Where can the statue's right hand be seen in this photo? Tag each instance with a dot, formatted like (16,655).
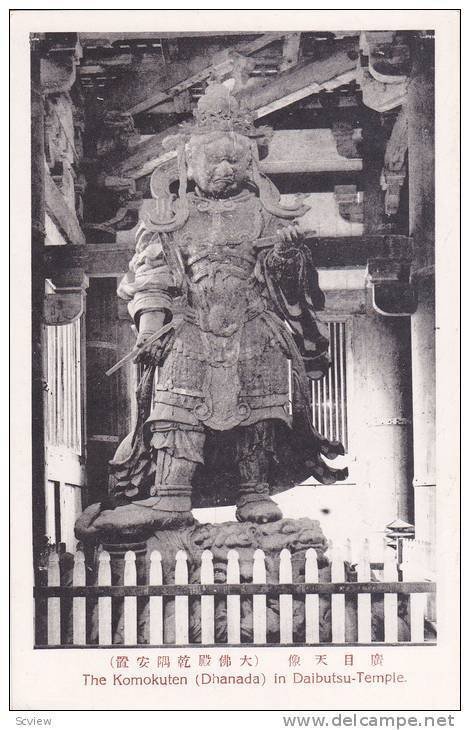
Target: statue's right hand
(147,353)
(143,337)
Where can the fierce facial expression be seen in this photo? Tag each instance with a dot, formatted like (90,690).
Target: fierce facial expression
(219,163)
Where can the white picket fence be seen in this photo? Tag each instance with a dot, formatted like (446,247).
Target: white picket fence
(388,580)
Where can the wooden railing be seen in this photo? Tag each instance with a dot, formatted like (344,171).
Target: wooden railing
(87,615)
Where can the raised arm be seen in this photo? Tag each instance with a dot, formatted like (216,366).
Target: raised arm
(147,286)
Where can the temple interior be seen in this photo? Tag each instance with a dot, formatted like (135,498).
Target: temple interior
(353,121)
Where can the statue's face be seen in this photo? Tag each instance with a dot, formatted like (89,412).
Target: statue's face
(219,163)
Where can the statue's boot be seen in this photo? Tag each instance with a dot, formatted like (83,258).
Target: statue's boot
(171,493)
(167,507)
(254,455)
(255,505)
(138,520)
(170,496)
(171,507)
(176,453)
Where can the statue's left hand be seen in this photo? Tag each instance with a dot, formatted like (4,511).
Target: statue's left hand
(288,237)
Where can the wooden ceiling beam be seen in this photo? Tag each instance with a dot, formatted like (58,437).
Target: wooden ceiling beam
(224,65)
(342,252)
(105,40)
(285,89)
(301,77)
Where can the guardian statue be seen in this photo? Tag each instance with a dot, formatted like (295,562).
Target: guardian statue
(224,401)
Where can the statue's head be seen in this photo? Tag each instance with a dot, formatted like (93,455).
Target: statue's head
(220,144)
(219,162)
(220,151)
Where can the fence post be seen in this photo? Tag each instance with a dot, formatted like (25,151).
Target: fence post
(181,602)
(428,574)
(259,601)
(312,600)
(130,602)
(413,569)
(156,602)
(207,602)
(53,604)
(338,633)
(390,574)
(117,552)
(364,605)
(233,602)
(285,601)
(79,604)
(104,602)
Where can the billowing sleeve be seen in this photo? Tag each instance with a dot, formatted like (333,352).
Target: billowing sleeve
(148,283)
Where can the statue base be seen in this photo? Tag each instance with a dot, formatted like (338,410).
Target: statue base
(295,535)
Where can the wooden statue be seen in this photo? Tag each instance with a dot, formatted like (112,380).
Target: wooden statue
(226,267)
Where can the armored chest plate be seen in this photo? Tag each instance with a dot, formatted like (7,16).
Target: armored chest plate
(219,256)
(221,228)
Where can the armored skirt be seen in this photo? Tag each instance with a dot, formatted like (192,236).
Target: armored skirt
(209,381)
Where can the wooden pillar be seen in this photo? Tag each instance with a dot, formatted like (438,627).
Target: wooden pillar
(373,155)
(109,338)
(420,111)
(38,235)
(382,375)
(424,409)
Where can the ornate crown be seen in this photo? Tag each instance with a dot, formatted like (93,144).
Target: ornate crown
(218,110)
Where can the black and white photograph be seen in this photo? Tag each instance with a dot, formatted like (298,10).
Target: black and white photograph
(233,352)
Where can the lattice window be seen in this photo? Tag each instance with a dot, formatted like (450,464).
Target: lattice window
(64,411)
(329,395)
